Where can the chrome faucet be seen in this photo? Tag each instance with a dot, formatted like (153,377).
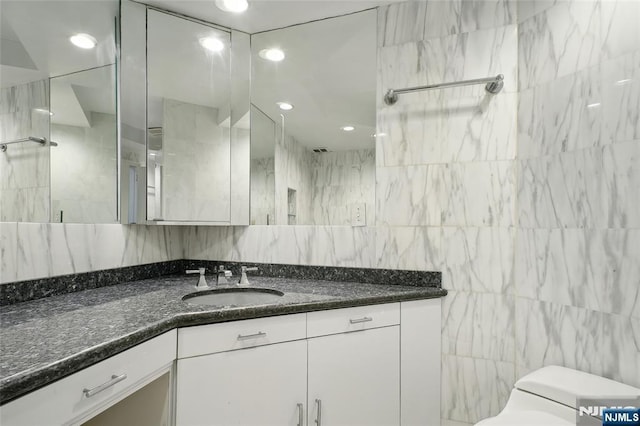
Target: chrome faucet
(202,282)
(222,275)
(243,277)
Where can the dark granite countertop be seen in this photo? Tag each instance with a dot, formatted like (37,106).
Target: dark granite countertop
(47,339)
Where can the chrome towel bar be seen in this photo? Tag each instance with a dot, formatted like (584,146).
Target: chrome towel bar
(41,141)
(493,86)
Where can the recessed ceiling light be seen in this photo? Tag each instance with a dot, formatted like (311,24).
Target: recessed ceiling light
(348,128)
(273,54)
(594,105)
(83,41)
(235,6)
(212,44)
(285,106)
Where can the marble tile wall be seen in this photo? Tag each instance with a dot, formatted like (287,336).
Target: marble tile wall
(578,238)
(24,167)
(299,245)
(446,184)
(39,250)
(83,171)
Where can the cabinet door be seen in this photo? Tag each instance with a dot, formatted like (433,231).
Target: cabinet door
(355,378)
(256,386)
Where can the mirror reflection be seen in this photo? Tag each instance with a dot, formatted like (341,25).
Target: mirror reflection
(188,120)
(41,40)
(83,154)
(263,184)
(315,84)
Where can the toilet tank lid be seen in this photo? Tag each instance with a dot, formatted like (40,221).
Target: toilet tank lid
(563,385)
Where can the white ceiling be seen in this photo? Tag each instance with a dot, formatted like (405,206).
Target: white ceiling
(264,15)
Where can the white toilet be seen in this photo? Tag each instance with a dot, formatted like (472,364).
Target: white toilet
(547,397)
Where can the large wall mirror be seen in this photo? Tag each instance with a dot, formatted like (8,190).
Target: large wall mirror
(58,111)
(313,123)
(192,148)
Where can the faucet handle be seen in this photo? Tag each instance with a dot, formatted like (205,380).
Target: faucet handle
(243,278)
(202,282)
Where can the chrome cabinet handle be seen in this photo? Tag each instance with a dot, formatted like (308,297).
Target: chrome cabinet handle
(319,412)
(300,415)
(114,379)
(251,336)
(359,320)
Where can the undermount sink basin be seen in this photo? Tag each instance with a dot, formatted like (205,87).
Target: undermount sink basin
(233,296)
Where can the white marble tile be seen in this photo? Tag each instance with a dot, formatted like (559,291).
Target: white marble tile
(31,250)
(445,129)
(551,334)
(622,346)
(477,259)
(528,8)
(586,188)
(480,194)
(621,98)
(620,30)
(563,39)
(472,55)
(551,266)
(300,245)
(481,14)
(443,18)
(478,325)
(401,23)
(410,196)
(562,115)
(587,268)
(474,389)
(408,134)
(407,247)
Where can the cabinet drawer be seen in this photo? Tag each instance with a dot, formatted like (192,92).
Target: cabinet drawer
(73,398)
(322,323)
(208,339)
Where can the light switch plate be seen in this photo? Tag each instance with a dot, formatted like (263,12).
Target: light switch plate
(359,214)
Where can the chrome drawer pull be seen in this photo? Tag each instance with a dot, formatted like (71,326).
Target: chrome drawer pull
(319,413)
(359,320)
(114,379)
(300,415)
(251,336)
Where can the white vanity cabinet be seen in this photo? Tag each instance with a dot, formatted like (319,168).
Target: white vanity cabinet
(354,378)
(84,394)
(335,367)
(263,383)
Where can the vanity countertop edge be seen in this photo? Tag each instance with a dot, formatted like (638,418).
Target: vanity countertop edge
(55,337)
